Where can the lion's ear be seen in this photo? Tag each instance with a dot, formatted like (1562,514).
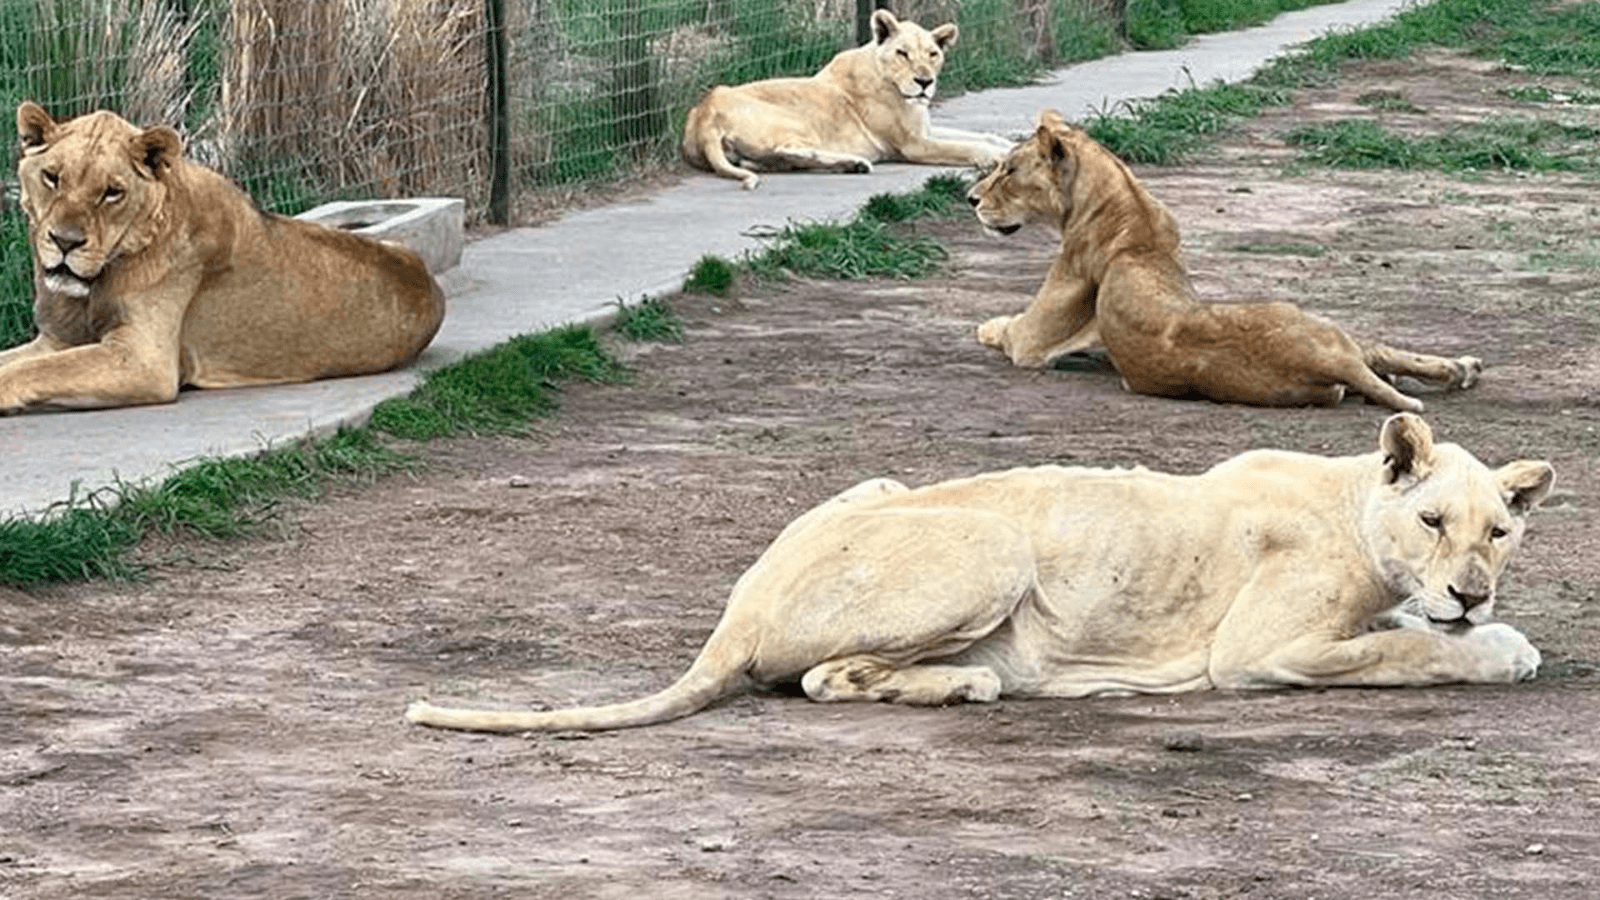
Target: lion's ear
(1061,155)
(34,126)
(884,26)
(945,35)
(156,148)
(1525,483)
(1407,445)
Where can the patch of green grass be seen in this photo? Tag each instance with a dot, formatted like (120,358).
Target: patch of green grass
(861,248)
(1162,130)
(651,319)
(711,275)
(866,246)
(1545,40)
(495,391)
(942,195)
(498,390)
(1390,100)
(90,536)
(1155,24)
(222,497)
(1538,93)
(85,540)
(1283,248)
(1583,260)
(1499,145)
(16,278)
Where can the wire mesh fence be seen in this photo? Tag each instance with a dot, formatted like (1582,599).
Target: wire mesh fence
(304,101)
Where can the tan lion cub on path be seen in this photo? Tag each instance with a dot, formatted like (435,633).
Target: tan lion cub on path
(1118,281)
(1271,569)
(866,105)
(152,272)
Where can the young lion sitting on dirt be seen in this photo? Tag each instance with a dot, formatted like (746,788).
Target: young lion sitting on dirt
(866,105)
(1271,569)
(152,272)
(1118,282)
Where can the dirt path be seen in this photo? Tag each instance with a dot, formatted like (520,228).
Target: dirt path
(232,728)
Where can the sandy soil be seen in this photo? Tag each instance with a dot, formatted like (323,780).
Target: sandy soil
(231,726)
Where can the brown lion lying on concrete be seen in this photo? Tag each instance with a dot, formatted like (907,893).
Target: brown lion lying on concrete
(152,272)
(1118,282)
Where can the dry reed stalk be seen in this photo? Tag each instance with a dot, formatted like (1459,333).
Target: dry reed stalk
(382,95)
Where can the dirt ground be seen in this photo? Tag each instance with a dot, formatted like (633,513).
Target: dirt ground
(230,727)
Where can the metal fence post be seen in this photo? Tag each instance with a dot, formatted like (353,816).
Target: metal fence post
(499,212)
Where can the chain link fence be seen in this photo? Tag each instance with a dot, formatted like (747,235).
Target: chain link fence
(505,103)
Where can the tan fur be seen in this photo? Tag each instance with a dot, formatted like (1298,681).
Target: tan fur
(1118,281)
(1271,569)
(152,272)
(866,105)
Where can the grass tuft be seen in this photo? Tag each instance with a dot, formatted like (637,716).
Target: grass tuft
(711,275)
(496,391)
(942,196)
(1496,145)
(651,319)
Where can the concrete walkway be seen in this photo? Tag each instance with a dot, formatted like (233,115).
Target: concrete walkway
(576,268)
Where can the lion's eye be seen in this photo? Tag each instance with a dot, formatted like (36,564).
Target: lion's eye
(1433,520)
(1497,532)
(903,52)
(51,180)
(112,195)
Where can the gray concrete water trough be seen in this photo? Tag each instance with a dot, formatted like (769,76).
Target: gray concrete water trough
(432,226)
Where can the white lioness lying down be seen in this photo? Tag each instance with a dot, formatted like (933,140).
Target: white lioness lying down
(1271,569)
(866,105)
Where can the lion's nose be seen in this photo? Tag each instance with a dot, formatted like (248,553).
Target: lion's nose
(972,198)
(67,242)
(923,82)
(1468,600)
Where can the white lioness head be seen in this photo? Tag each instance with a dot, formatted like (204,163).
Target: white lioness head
(91,190)
(910,56)
(1443,525)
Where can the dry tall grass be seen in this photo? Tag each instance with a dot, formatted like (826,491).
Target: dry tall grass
(379,96)
(123,54)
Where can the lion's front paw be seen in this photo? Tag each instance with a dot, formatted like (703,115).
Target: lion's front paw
(1471,370)
(993,332)
(1507,655)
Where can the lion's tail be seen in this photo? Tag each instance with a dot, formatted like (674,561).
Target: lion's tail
(703,148)
(712,676)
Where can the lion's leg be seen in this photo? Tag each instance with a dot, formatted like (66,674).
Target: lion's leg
(934,151)
(869,589)
(1461,372)
(93,376)
(39,346)
(1060,320)
(794,157)
(865,678)
(1408,655)
(942,133)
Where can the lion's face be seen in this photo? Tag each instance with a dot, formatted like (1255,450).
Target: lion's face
(92,192)
(1031,183)
(910,56)
(1444,526)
